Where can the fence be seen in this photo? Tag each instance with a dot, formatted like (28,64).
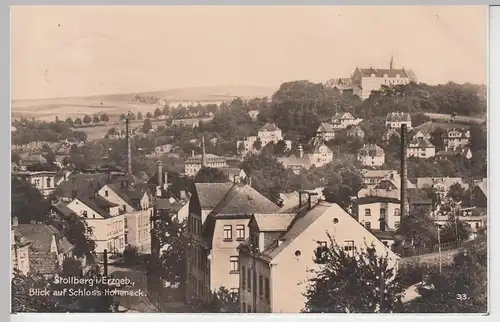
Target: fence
(419,251)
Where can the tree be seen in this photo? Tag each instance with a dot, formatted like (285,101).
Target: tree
(224,301)
(418,119)
(437,138)
(166,110)
(96,119)
(21,299)
(69,121)
(361,282)
(112,131)
(454,230)
(241,148)
(49,154)
(460,288)
(15,157)
(169,233)
(37,209)
(81,136)
(104,117)
(123,117)
(139,116)
(257,145)
(130,254)
(87,119)
(149,115)
(147,126)
(78,233)
(456,192)
(78,121)
(157,113)
(131,116)
(418,230)
(210,175)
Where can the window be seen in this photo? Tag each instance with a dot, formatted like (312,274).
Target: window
(368,225)
(234,264)
(249,280)
(240,232)
(321,252)
(349,247)
(266,289)
(368,212)
(477,225)
(396,212)
(228,232)
(396,224)
(382,213)
(243,277)
(84,213)
(106,193)
(48,182)
(124,208)
(37,182)
(261,286)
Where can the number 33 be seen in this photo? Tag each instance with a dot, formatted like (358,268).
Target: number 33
(462,297)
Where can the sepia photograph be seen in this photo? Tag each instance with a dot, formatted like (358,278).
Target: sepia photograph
(249,159)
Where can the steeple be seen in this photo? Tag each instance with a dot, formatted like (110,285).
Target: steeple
(203,156)
(129,149)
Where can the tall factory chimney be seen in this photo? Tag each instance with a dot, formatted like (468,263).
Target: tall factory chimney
(203,155)
(129,149)
(159,171)
(405,209)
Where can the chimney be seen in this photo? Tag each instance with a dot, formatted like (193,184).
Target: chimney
(312,200)
(300,151)
(203,156)
(159,172)
(192,153)
(129,149)
(110,176)
(165,180)
(404,174)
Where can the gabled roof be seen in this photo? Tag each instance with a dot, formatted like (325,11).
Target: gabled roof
(377,173)
(375,199)
(121,192)
(380,72)
(40,237)
(294,161)
(63,209)
(325,127)
(243,199)
(355,130)
(93,204)
(273,222)
(395,179)
(430,126)
(210,194)
(420,143)
(483,186)
(371,150)
(84,184)
(398,117)
(319,145)
(271,127)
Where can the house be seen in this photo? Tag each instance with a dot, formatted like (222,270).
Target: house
(235,175)
(386,138)
(343,85)
(212,255)
(456,138)
(420,147)
(266,134)
(451,154)
(278,258)
(367,80)
(378,213)
(372,177)
(389,186)
(297,162)
(106,221)
(325,131)
(371,155)
(321,155)
(479,194)
(194,163)
(136,205)
(343,120)
(44,181)
(473,217)
(394,120)
(79,184)
(355,131)
(441,184)
(32,159)
(38,248)
(253,114)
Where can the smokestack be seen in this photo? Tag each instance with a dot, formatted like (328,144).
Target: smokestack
(404,174)
(203,156)
(129,149)
(159,171)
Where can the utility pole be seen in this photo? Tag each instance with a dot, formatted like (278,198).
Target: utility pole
(382,290)
(439,248)
(105,263)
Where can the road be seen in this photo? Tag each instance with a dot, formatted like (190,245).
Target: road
(138,278)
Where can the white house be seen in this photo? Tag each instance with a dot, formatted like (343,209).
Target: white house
(325,131)
(371,155)
(266,134)
(394,120)
(367,80)
(343,120)
(420,147)
(277,259)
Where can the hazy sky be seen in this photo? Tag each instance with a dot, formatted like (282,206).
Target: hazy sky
(77,51)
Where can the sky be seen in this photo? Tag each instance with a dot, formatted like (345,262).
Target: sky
(81,51)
